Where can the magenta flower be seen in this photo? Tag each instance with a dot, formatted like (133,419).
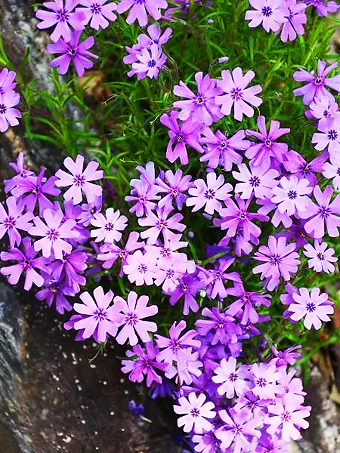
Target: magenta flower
(323,108)
(207,194)
(13,221)
(267,152)
(255,180)
(140,10)
(279,260)
(235,93)
(175,186)
(143,195)
(187,287)
(109,227)
(317,84)
(331,170)
(133,312)
(171,270)
(160,223)
(238,428)
(8,114)
(149,62)
(79,180)
(201,106)
(232,380)
(244,306)
(140,268)
(297,165)
(295,18)
(269,13)
(55,234)
(291,195)
(265,377)
(54,292)
(98,13)
(221,150)
(181,135)
(321,257)
(288,415)
(324,212)
(313,307)
(219,325)
(329,136)
(194,413)
(27,263)
(217,277)
(323,7)
(62,17)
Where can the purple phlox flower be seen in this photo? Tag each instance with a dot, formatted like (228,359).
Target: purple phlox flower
(322,212)
(291,195)
(234,218)
(194,412)
(98,13)
(36,189)
(7,82)
(313,307)
(14,220)
(232,379)
(71,268)
(156,36)
(206,443)
(170,271)
(171,244)
(89,210)
(255,180)
(223,328)
(69,325)
(296,233)
(321,258)
(140,10)
(323,7)
(160,223)
(109,227)
(252,404)
(8,114)
(318,83)
(72,52)
(264,378)
(207,194)
(221,150)
(79,180)
(62,16)
(287,415)
(297,165)
(244,306)
(54,232)
(271,444)
(269,151)
(278,217)
(288,383)
(175,348)
(140,268)
(175,186)
(269,13)
(201,106)
(148,62)
(54,292)
(279,260)
(323,109)
(143,195)
(329,135)
(187,369)
(235,93)
(216,278)
(187,287)
(110,253)
(238,429)
(295,18)
(331,170)
(99,318)
(287,356)
(21,171)
(181,135)
(133,312)
(74,212)
(142,362)
(147,174)
(27,263)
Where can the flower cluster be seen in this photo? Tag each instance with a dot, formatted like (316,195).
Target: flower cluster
(9,98)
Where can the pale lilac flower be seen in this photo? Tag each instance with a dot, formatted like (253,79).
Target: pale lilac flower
(62,16)
(269,13)
(235,93)
(291,195)
(313,307)
(216,278)
(324,212)
(8,114)
(195,411)
(317,84)
(14,220)
(255,180)
(98,13)
(205,443)
(55,234)
(321,258)
(323,7)
(72,52)
(323,108)
(220,325)
(267,152)
(143,195)
(99,319)
(140,10)
(331,170)
(155,36)
(297,165)
(187,287)
(295,18)
(244,307)
(175,186)
(264,378)
(232,379)
(148,62)
(187,370)
(171,270)
(279,260)
(201,106)
(7,81)
(207,194)
(140,268)
(109,227)
(221,150)
(134,311)
(160,223)
(329,136)
(237,429)
(80,180)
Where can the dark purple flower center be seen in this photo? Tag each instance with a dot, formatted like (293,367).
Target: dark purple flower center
(319,80)
(142,268)
(109,226)
(320,256)
(223,145)
(275,260)
(261,382)
(310,307)
(123,255)
(185,287)
(243,215)
(232,377)
(267,11)
(9,222)
(209,194)
(268,143)
(52,235)
(100,314)
(292,194)
(332,134)
(179,138)
(305,169)
(170,273)
(63,15)
(236,94)
(72,52)
(174,192)
(161,224)
(146,361)
(286,416)
(96,8)
(199,100)
(338,171)
(326,113)
(142,200)
(195,412)
(79,180)
(2,109)
(2,91)
(254,181)
(165,252)
(131,318)
(175,345)
(324,211)
(152,63)
(26,263)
